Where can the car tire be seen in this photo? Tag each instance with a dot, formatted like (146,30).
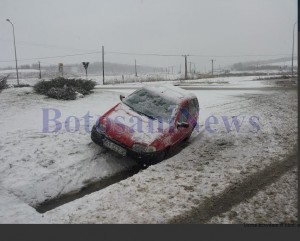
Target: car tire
(94,136)
(155,160)
(161,156)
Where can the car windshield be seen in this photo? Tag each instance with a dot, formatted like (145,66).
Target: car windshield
(152,105)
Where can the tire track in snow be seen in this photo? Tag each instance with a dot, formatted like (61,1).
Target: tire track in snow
(236,194)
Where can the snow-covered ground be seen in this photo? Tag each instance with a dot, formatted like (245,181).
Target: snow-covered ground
(30,76)
(12,71)
(206,168)
(37,166)
(261,207)
(267,72)
(286,63)
(218,82)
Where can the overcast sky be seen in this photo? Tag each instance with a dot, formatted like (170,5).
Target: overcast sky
(215,29)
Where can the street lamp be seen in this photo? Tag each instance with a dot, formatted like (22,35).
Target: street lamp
(15,50)
(293,49)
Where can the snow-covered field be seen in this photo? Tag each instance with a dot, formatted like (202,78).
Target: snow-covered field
(246,82)
(30,76)
(12,71)
(286,63)
(38,166)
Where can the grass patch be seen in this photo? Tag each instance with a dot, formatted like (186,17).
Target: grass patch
(275,77)
(21,85)
(3,82)
(64,89)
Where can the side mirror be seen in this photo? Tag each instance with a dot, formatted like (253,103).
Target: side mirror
(122,97)
(183,124)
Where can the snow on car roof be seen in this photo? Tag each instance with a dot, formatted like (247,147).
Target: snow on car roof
(169,91)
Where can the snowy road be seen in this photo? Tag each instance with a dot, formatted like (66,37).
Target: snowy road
(37,166)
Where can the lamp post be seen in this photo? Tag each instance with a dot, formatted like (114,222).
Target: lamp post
(15,49)
(293,49)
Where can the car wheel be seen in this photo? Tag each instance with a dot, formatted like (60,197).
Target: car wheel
(94,136)
(161,156)
(156,159)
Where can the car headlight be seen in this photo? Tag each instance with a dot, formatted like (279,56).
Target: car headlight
(101,126)
(142,148)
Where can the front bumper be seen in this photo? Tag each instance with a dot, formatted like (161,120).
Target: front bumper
(98,138)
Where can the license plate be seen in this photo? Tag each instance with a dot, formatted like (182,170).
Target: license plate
(114,147)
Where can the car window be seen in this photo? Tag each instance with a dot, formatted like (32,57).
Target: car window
(194,107)
(183,114)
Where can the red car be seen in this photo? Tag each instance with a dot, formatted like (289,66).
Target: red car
(148,123)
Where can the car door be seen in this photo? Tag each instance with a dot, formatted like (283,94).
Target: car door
(181,133)
(194,111)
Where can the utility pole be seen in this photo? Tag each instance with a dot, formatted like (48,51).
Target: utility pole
(185,66)
(190,67)
(61,69)
(15,50)
(135,68)
(40,75)
(103,63)
(194,68)
(212,66)
(293,50)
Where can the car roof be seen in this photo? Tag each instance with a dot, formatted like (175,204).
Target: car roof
(171,92)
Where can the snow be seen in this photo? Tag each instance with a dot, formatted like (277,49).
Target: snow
(216,83)
(280,197)
(286,63)
(204,169)
(14,210)
(169,91)
(19,70)
(37,166)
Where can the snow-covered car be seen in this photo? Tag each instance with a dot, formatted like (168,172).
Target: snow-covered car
(148,123)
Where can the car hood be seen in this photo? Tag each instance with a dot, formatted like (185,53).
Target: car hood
(130,127)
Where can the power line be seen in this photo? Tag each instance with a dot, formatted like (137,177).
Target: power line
(53,57)
(242,55)
(46,45)
(134,53)
(146,54)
